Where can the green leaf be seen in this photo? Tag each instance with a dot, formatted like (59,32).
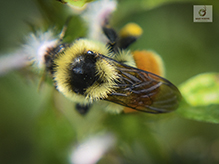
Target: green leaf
(77,3)
(202,89)
(201,98)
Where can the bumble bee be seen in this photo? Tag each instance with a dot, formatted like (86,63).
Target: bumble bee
(88,71)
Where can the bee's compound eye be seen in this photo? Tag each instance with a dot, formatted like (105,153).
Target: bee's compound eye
(89,52)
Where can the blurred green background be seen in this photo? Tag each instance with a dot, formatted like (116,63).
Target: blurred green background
(42,127)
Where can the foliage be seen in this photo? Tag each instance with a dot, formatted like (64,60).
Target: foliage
(43,127)
(201,95)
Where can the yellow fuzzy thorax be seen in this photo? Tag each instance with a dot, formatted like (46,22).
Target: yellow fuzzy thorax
(105,70)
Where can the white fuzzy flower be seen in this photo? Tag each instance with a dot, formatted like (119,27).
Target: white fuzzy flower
(95,15)
(38,45)
(9,62)
(92,150)
(32,52)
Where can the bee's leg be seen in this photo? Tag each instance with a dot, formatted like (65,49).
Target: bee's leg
(116,42)
(125,42)
(112,36)
(128,35)
(82,109)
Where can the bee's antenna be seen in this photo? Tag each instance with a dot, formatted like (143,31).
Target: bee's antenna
(64,29)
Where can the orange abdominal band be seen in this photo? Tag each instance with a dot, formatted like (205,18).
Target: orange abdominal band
(147,61)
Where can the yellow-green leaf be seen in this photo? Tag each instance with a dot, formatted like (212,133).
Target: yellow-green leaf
(201,90)
(201,98)
(77,3)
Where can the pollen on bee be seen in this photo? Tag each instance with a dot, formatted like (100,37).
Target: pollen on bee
(149,61)
(131,29)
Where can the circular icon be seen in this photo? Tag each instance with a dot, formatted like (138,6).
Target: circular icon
(202,12)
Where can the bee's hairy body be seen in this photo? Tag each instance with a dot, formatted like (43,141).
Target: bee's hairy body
(87,71)
(81,74)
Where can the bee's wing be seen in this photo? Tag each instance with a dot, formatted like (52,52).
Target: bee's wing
(144,91)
